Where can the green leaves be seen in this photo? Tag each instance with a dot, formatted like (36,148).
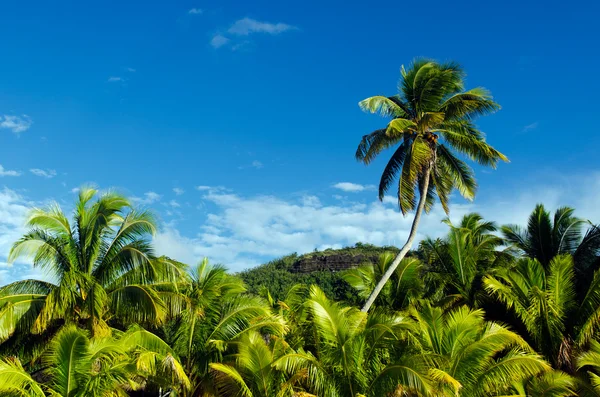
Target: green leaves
(431,117)
(467,354)
(102,260)
(15,381)
(65,359)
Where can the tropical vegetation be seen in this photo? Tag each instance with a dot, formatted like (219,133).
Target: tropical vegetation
(485,310)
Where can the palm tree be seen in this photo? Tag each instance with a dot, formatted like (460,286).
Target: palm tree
(215,314)
(547,236)
(470,357)
(352,353)
(404,286)
(558,322)
(255,371)
(101,268)
(456,264)
(432,116)
(76,366)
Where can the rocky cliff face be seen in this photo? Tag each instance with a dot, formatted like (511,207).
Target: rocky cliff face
(331,262)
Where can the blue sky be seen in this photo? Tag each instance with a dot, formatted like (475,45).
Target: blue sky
(256,104)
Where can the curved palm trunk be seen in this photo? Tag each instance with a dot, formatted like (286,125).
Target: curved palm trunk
(411,237)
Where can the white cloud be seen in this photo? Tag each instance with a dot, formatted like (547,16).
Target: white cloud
(178,191)
(114,79)
(195,11)
(246,26)
(219,41)
(174,204)
(353,187)
(246,231)
(242,231)
(131,70)
(257,164)
(4,172)
(16,124)
(531,127)
(13,212)
(206,188)
(43,173)
(75,190)
(149,198)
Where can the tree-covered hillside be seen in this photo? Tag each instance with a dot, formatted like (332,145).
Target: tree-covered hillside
(322,268)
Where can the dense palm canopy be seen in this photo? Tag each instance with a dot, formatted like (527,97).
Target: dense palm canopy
(428,336)
(215,315)
(353,353)
(431,127)
(468,356)
(545,300)
(76,366)
(456,264)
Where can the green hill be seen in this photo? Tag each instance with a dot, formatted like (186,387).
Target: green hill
(320,267)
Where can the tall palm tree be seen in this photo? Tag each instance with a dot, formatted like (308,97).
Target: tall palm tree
(101,267)
(558,323)
(76,366)
(432,118)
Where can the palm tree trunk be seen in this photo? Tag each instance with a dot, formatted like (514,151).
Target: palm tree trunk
(411,237)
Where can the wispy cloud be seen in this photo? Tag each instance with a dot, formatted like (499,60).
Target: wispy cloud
(257,164)
(16,124)
(219,41)
(43,173)
(114,79)
(149,198)
(174,204)
(131,70)
(531,127)
(195,11)
(178,191)
(247,26)
(353,187)
(4,172)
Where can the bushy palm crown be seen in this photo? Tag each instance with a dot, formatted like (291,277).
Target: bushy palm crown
(544,298)
(76,366)
(547,236)
(456,263)
(432,118)
(351,353)
(101,266)
(467,356)
(215,314)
